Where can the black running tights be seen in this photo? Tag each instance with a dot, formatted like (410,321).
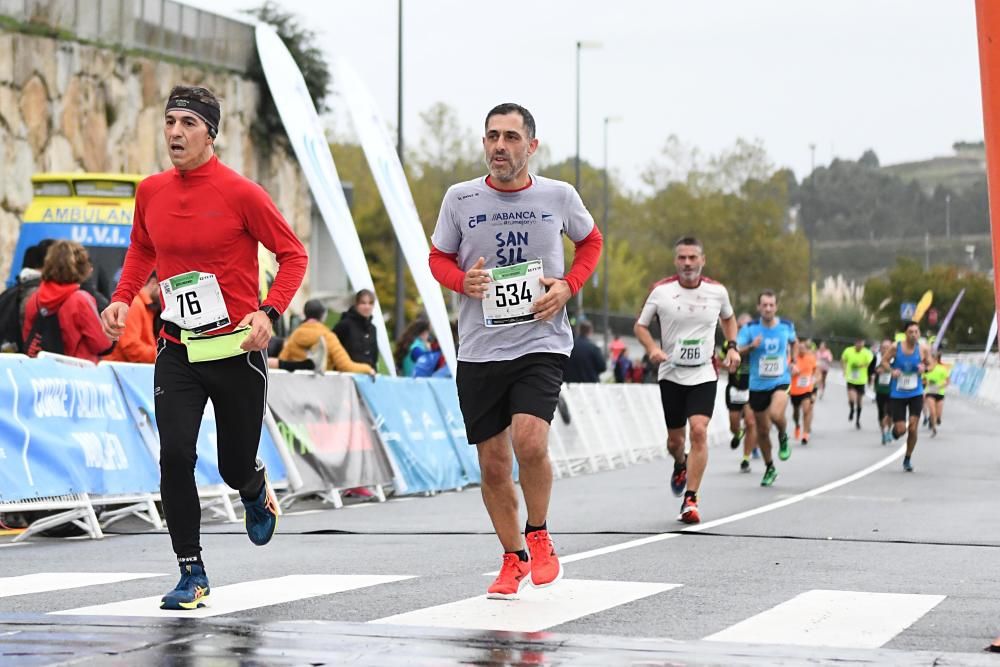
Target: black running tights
(238,389)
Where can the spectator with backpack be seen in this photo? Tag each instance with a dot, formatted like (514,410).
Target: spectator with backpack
(60,317)
(14,299)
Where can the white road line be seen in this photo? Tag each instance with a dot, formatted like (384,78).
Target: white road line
(537,609)
(43,582)
(770,507)
(242,596)
(844,619)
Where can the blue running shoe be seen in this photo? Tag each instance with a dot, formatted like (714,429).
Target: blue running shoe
(678,480)
(191,591)
(907,466)
(261,515)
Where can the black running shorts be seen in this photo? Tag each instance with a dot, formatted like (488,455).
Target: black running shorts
(860,388)
(899,406)
(797,400)
(760,401)
(882,401)
(936,397)
(491,392)
(680,401)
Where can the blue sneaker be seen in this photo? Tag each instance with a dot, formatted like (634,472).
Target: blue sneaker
(261,515)
(678,480)
(907,466)
(191,592)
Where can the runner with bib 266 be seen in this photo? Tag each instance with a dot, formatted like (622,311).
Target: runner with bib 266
(688,306)
(498,243)
(770,343)
(198,225)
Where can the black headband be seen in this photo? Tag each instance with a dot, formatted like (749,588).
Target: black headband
(209,113)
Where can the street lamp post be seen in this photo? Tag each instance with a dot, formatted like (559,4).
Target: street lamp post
(947,216)
(580,45)
(607,236)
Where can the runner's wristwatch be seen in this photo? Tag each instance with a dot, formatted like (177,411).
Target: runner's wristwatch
(731,345)
(271,312)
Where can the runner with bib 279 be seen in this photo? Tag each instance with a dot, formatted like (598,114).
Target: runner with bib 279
(688,306)
(498,243)
(198,226)
(770,342)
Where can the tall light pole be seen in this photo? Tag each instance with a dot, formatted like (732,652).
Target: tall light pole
(580,45)
(400,278)
(947,216)
(607,236)
(812,158)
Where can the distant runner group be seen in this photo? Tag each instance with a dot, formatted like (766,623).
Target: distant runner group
(768,366)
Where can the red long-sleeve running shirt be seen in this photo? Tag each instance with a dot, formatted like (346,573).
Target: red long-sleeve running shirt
(210,219)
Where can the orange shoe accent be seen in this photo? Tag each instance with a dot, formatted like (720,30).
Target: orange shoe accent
(513,575)
(798,433)
(689,511)
(545,566)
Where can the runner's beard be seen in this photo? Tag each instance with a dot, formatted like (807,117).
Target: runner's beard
(506,171)
(690,275)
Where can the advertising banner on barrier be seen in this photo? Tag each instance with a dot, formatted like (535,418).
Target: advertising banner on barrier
(64,430)
(328,431)
(447,399)
(411,427)
(136,382)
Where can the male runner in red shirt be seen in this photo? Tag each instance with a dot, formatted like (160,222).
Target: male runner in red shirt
(198,226)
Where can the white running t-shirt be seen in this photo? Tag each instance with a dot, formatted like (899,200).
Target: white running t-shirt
(688,317)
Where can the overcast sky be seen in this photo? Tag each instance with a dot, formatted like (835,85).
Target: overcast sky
(898,76)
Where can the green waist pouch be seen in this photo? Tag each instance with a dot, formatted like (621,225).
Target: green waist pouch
(213,348)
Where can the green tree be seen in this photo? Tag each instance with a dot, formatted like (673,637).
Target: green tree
(844,323)
(301,43)
(907,282)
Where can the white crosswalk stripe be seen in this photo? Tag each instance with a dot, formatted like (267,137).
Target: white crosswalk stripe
(243,596)
(44,582)
(845,619)
(819,618)
(537,609)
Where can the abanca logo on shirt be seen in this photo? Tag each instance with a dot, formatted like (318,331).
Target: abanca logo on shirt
(525,217)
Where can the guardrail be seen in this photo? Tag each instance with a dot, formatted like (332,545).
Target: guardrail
(162,26)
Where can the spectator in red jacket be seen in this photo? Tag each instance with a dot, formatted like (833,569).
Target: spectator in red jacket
(66,266)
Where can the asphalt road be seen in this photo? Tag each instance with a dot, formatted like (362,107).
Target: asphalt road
(846,552)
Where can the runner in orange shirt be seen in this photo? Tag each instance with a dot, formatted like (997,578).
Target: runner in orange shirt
(802,391)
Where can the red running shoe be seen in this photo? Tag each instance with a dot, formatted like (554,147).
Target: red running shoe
(513,575)
(545,566)
(689,511)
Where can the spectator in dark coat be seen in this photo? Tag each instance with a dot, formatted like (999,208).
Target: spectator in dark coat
(356,331)
(586,362)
